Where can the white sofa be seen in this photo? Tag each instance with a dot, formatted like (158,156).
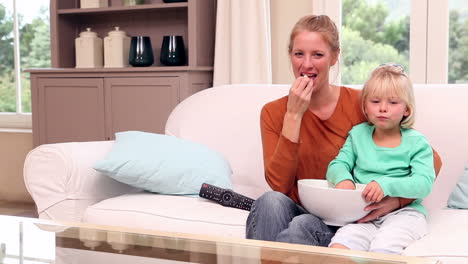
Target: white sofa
(64,186)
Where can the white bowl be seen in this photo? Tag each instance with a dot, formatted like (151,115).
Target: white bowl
(335,207)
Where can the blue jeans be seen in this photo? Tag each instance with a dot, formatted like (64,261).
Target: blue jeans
(276,217)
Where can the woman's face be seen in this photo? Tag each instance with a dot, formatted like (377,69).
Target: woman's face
(311,55)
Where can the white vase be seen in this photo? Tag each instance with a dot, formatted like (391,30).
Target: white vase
(93,3)
(88,50)
(116,48)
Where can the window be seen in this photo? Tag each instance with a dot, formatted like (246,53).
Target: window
(373,32)
(428,37)
(24,43)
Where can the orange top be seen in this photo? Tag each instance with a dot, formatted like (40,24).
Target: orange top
(287,162)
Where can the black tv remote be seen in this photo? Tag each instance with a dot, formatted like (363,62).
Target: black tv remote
(225,197)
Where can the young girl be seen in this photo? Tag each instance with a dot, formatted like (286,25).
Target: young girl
(391,158)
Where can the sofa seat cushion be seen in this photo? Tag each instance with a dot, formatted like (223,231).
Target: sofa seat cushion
(169,213)
(446,238)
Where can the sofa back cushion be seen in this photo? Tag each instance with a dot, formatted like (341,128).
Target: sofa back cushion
(442,115)
(227,119)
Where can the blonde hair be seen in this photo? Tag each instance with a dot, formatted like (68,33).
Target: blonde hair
(321,24)
(390,80)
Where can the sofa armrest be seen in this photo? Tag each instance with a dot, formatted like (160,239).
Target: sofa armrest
(62,182)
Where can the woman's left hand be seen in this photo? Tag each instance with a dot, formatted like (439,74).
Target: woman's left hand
(387,205)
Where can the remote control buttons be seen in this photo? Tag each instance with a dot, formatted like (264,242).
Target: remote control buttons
(226,197)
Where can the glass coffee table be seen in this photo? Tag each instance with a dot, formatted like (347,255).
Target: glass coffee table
(29,240)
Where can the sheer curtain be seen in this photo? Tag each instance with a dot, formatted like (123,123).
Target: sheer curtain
(243,42)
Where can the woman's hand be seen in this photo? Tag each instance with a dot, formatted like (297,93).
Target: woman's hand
(298,103)
(373,193)
(346,185)
(299,96)
(387,205)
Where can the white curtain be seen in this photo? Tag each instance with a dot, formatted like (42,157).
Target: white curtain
(243,42)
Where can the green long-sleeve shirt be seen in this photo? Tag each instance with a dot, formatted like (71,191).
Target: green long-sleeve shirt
(404,171)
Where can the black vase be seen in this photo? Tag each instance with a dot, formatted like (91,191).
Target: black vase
(141,52)
(174,1)
(172,51)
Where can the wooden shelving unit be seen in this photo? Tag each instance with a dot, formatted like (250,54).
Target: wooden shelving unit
(71,104)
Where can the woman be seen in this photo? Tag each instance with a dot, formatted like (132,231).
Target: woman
(302,133)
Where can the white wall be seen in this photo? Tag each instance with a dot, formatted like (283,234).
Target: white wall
(284,14)
(13,149)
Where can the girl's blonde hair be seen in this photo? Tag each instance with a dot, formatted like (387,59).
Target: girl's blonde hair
(387,81)
(321,24)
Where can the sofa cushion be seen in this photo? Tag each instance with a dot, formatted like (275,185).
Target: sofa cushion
(445,134)
(164,164)
(446,236)
(458,199)
(169,213)
(227,119)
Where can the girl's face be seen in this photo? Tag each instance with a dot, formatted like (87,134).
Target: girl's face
(311,55)
(385,113)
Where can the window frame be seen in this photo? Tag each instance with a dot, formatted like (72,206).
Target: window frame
(429,48)
(18,119)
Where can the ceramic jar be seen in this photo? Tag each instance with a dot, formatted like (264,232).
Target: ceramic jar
(132,2)
(116,48)
(93,3)
(88,50)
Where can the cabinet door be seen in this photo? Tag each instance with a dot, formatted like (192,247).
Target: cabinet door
(70,109)
(139,103)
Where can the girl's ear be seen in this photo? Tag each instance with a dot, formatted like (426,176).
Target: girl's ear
(407,112)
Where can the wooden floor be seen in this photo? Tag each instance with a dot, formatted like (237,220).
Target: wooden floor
(18,209)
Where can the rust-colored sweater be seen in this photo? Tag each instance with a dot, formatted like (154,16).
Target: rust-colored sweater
(287,162)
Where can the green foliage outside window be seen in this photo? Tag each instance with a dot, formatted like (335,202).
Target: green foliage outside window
(34,53)
(370,38)
(458,46)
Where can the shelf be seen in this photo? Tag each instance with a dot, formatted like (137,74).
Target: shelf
(127,69)
(146,7)
(194,20)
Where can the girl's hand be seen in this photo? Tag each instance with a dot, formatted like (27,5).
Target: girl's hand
(373,192)
(346,185)
(299,96)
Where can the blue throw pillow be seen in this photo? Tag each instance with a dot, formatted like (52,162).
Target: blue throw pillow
(164,164)
(458,199)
